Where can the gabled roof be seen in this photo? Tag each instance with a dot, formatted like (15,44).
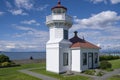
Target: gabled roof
(78,42)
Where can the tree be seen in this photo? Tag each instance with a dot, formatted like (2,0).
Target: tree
(4,58)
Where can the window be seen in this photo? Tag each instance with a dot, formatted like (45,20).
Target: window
(65,59)
(84,58)
(65,34)
(96,57)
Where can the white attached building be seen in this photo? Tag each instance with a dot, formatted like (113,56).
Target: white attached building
(63,54)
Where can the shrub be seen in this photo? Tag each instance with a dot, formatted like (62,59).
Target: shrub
(105,65)
(109,69)
(100,73)
(108,57)
(90,72)
(4,58)
(5,64)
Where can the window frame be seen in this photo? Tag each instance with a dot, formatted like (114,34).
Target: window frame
(65,59)
(84,58)
(96,57)
(65,34)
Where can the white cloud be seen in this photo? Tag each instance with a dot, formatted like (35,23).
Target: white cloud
(98,1)
(102,28)
(97,21)
(29,22)
(32,32)
(1,13)
(29,40)
(24,28)
(26,4)
(17,12)
(115,1)
(20,6)
(42,7)
(106,1)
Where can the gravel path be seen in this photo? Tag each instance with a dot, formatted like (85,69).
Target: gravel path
(43,77)
(109,74)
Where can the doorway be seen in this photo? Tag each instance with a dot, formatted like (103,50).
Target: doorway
(90,60)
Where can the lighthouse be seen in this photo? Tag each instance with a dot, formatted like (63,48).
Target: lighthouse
(57,48)
(63,54)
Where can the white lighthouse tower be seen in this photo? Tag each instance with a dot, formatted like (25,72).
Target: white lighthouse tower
(58,46)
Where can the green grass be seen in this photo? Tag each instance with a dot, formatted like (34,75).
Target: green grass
(61,77)
(115,63)
(11,73)
(116,77)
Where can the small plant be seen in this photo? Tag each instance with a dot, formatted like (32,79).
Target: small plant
(90,72)
(100,73)
(105,65)
(5,64)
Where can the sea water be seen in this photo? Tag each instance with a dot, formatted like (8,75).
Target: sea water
(24,55)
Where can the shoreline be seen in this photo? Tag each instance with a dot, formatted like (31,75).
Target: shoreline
(28,61)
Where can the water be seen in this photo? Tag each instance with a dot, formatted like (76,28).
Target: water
(24,55)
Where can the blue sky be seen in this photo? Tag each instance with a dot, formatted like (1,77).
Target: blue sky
(22,23)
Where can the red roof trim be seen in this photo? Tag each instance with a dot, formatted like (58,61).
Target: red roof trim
(59,6)
(84,45)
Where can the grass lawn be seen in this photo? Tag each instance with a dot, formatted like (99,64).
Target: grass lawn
(11,73)
(116,77)
(115,63)
(61,77)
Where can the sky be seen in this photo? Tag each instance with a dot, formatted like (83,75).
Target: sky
(23,28)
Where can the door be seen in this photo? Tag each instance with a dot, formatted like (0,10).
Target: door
(90,60)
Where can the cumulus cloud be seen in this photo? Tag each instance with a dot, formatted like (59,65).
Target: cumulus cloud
(102,28)
(29,22)
(115,1)
(98,1)
(24,28)
(29,5)
(20,46)
(19,7)
(26,4)
(97,21)
(17,12)
(31,32)
(30,39)
(106,1)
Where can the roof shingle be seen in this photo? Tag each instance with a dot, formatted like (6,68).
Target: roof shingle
(78,42)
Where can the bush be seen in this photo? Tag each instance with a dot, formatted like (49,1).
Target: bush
(105,65)
(90,72)
(108,57)
(4,58)
(100,73)
(109,69)
(5,64)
